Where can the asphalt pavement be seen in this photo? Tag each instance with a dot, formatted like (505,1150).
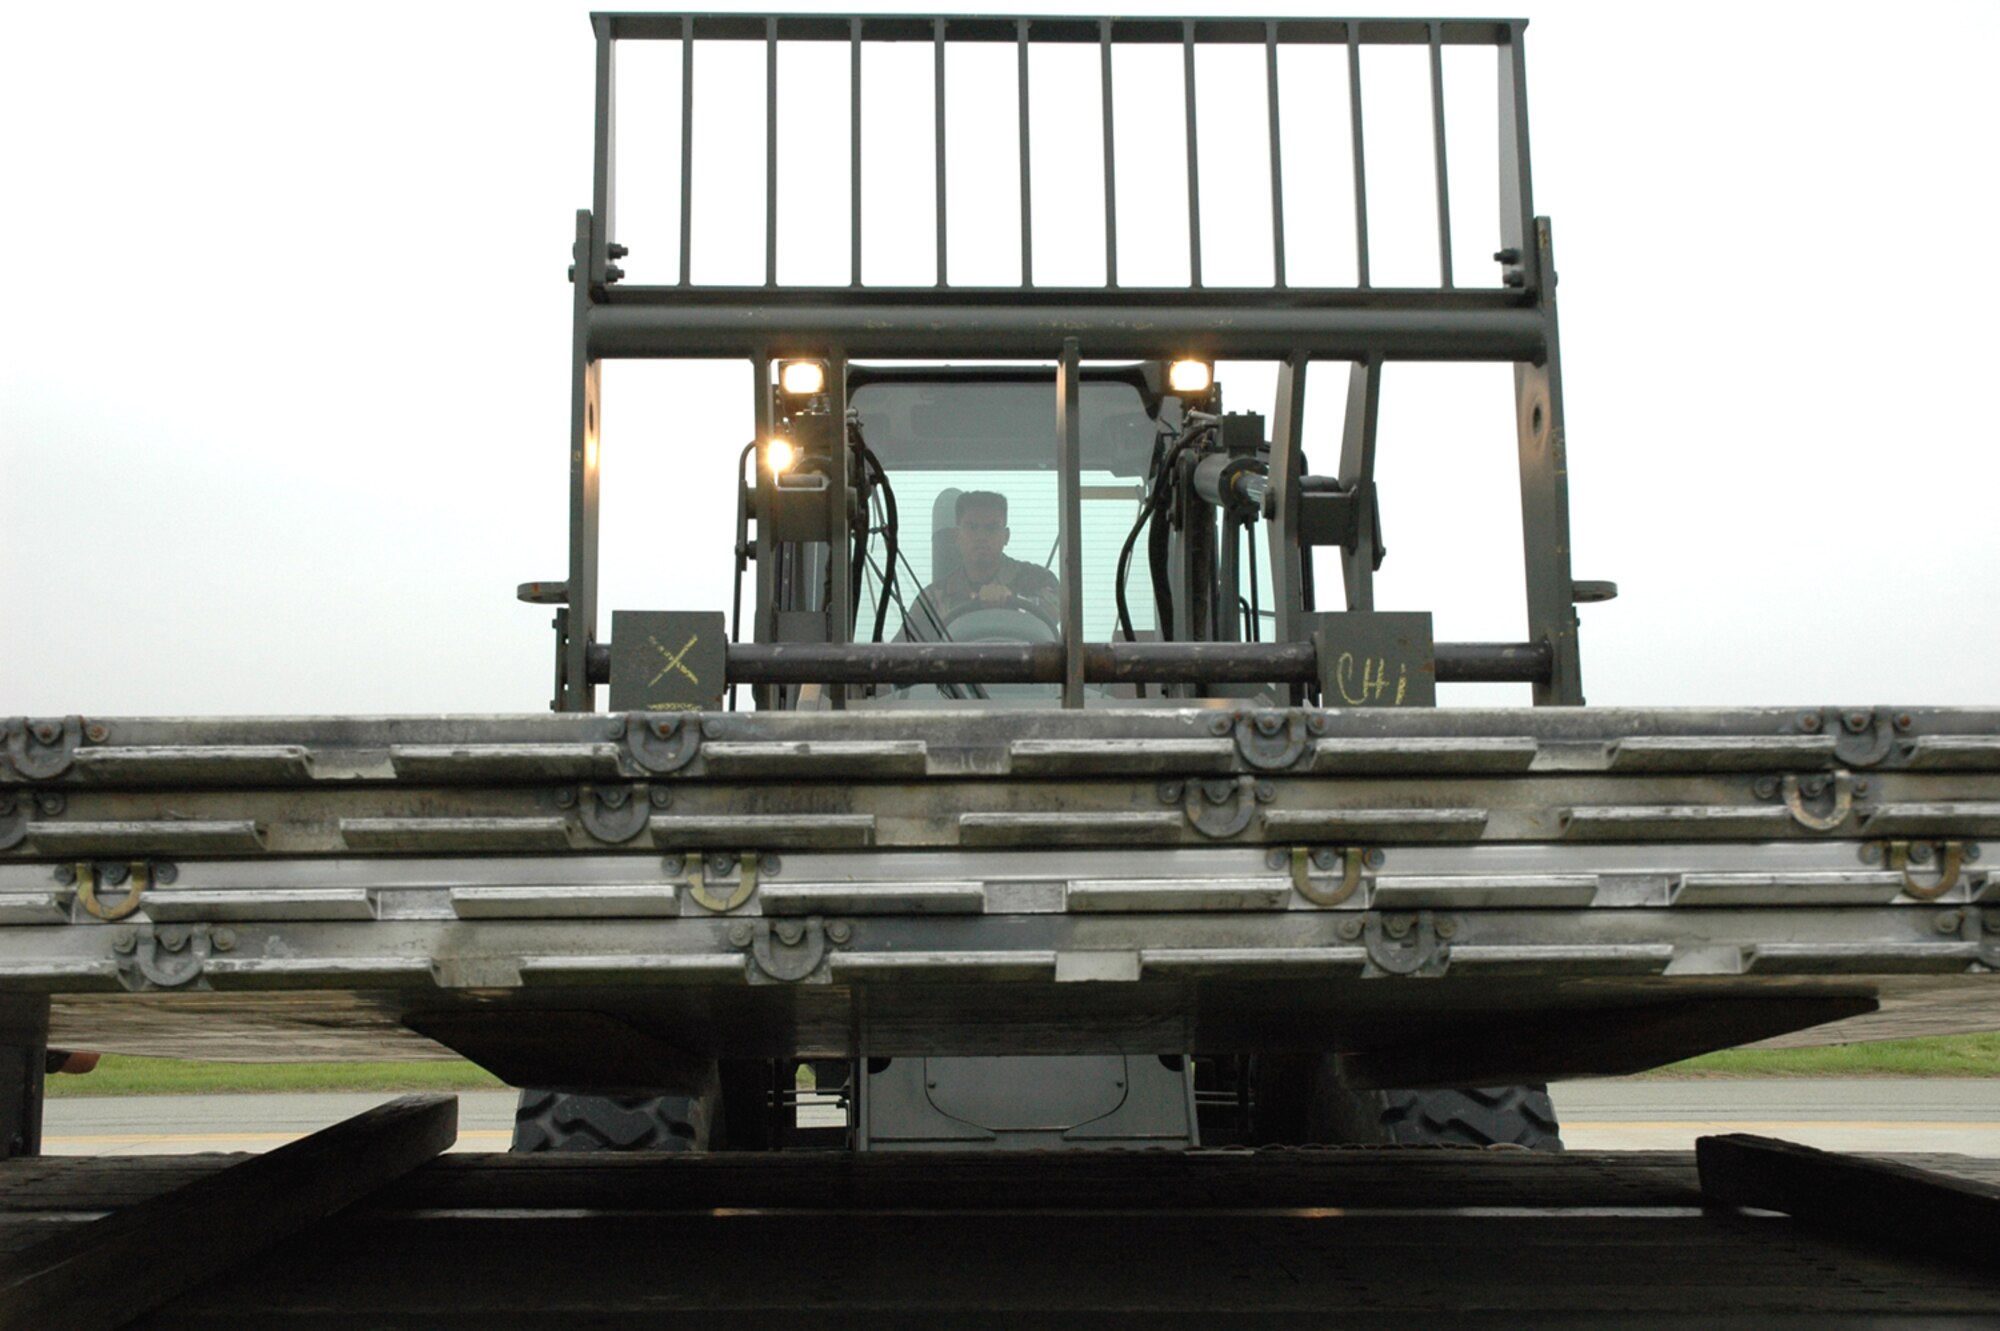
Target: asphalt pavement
(1875,1114)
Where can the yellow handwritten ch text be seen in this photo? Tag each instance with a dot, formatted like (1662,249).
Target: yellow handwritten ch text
(674,661)
(1373,686)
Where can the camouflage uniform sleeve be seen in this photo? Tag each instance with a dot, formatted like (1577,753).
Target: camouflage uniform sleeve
(1037,584)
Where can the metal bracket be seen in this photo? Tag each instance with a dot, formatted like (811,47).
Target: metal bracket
(41,750)
(1270,740)
(1321,892)
(1950,856)
(1861,738)
(613,813)
(1220,808)
(662,744)
(1797,791)
(134,878)
(739,892)
(786,951)
(1407,943)
(161,956)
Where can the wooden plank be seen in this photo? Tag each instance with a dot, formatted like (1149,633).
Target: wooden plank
(1885,1203)
(108,1271)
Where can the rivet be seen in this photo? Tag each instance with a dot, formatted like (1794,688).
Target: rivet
(124,941)
(790,932)
(1274,858)
(1266,792)
(1219,726)
(565,798)
(712,729)
(1447,928)
(98,732)
(1373,859)
(165,873)
(840,931)
(1810,722)
(1856,722)
(661,797)
(1350,928)
(1904,721)
(1170,792)
(770,864)
(224,940)
(739,934)
(1948,921)
(1766,787)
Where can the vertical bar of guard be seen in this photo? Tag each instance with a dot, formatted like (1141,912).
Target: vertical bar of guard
(687,149)
(771,152)
(1360,166)
(1277,165)
(1069,477)
(854,150)
(1021,102)
(1517,194)
(1110,157)
(1193,164)
(604,192)
(937,129)
(1437,151)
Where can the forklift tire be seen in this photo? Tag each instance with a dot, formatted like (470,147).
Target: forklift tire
(1476,1116)
(1305,1099)
(558,1121)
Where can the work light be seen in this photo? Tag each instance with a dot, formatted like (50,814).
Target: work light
(779,455)
(1190,376)
(802,378)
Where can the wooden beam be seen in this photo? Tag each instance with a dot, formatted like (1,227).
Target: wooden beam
(1891,1205)
(109,1271)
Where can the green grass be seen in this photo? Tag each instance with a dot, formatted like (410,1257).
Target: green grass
(1936,1056)
(1929,1056)
(120,1074)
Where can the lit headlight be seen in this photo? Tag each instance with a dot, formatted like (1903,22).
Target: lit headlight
(780,455)
(1190,376)
(802,378)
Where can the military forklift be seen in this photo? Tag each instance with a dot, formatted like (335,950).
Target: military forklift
(1033,793)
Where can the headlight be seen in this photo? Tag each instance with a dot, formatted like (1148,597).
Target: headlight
(1190,376)
(779,455)
(802,378)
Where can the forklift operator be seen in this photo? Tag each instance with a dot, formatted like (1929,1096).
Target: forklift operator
(986,577)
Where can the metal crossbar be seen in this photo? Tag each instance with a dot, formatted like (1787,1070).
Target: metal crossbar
(1442,321)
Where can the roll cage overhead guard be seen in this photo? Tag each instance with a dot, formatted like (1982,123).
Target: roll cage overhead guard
(1364,324)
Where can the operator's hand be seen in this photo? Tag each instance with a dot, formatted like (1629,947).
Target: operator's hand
(995,594)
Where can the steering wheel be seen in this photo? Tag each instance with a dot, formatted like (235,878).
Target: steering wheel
(1018,620)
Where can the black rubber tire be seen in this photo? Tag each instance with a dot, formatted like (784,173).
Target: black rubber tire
(1476,1116)
(1305,1099)
(558,1121)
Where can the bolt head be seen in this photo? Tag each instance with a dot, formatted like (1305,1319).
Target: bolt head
(739,934)
(224,940)
(1323,857)
(770,864)
(165,873)
(565,799)
(712,729)
(1267,724)
(1920,852)
(661,797)
(1948,922)
(1447,928)
(665,726)
(1220,725)
(1373,859)
(1170,792)
(1274,858)
(790,932)
(65,873)
(51,804)
(1350,928)
(840,931)
(1765,787)
(1396,926)
(98,733)
(1856,722)
(46,733)
(125,942)
(1810,723)
(1904,721)
(1266,792)
(1316,723)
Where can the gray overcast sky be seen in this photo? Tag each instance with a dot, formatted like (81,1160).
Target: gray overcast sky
(284,340)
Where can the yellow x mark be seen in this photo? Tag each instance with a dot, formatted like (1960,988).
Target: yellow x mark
(674,661)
